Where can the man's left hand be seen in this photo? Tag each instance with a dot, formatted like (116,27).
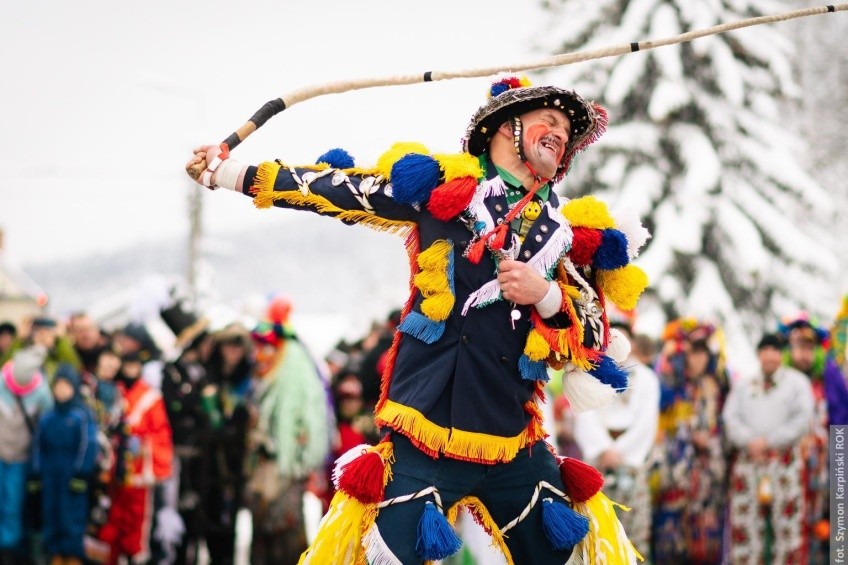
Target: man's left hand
(520,283)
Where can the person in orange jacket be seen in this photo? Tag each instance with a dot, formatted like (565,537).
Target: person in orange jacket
(144,460)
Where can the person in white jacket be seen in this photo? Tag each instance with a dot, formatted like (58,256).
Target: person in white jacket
(617,440)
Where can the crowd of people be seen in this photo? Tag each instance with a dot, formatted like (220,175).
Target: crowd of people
(107,450)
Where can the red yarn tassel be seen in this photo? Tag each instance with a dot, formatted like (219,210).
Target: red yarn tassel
(499,237)
(362,478)
(582,481)
(449,199)
(475,251)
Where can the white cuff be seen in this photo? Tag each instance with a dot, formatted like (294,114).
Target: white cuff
(228,173)
(550,304)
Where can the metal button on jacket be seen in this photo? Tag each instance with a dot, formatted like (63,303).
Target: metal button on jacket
(466,340)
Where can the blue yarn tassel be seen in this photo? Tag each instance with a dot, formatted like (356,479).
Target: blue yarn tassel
(612,253)
(337,158)
(420,326)
(533,370)
(436,537)
(563,526)
(414,177)
(609,373)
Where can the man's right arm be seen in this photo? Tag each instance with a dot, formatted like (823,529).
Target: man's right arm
(351,195)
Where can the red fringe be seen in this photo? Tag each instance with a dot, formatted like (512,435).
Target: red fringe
(449,199)
(584,244)
(582,481)
(475,251)
(362,478)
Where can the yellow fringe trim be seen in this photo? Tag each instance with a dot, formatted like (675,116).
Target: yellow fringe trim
(438,306)
(436,257)
(606,541)
(413,424)
(588,212)
(623,286)
(263,184)
(458,165)
(386,450)
(481,515)
(339,539)
(459,444)
(387,160)
(536,347)
(324,207)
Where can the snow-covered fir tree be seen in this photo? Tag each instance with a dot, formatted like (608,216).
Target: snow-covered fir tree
(700,148)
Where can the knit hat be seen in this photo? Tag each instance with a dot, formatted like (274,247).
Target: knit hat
(513,96)
(66,372)
(27,364)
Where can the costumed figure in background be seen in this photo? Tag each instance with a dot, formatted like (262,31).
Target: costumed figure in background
(618,439)
(290,440)
(505,282)
(690,474)
(183,384)
(24,397)
(839,337)
(142,462)
(765,419)
(63,458)
(43,331)
(808,353)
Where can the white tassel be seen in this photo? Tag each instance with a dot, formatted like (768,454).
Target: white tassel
(584,391)
(493,187)
(376,550)
(627,222)
(346,458)
(619,346)
(487,293)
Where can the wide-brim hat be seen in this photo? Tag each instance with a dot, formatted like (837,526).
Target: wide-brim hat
(511,97)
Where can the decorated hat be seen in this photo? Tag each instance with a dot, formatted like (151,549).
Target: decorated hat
(512,96)
(147,348)
(186,326)
(272,330)
(803,328)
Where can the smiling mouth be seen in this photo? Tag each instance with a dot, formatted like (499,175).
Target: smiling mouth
(551,146)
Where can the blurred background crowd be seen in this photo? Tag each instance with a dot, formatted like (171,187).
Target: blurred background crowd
(111,449)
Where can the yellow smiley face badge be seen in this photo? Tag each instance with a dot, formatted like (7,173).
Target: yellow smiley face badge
(532,211)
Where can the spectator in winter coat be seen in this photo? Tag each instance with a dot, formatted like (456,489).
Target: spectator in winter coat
(24,396)
(63,458)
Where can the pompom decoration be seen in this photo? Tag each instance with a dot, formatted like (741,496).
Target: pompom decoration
(619,346)
(336,158)
(458,165)
(451,198)
(439,306)
(585,392)
(581,480)
(279,310)
(436,537)
(631,226)
(507,83)
(563,526)
(588,212)
(362,478)
(612,253)
(346,458)
(532,370)
(608,372)
(387,160)
(623,286)
(584,243)
(414,177)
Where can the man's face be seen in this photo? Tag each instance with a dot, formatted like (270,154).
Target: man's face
(546,134)
(770,358)
(85,333)
(45,336)
(6,339)
(803,354)
(63,390)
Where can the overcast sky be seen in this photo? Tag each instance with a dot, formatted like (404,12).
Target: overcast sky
(103,100)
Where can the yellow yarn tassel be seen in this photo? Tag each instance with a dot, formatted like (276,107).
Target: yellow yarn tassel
(435,257)
(607,541)
(339,538)
(432,282)
(481,515)
(623,286)
(536,347)
(458,165)
(438,306)
(395,153)
(588,212)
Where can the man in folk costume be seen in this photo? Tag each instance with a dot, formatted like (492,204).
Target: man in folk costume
(765,418)
(145,461)
(808,353)
(618,439)
(505,282)
(291,440)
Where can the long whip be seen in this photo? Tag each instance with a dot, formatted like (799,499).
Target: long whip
(277,105)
